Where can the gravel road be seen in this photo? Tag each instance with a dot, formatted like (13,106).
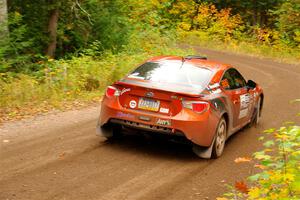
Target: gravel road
(58,157)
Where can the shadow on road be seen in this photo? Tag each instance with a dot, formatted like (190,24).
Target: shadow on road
(152,146)
(161,147)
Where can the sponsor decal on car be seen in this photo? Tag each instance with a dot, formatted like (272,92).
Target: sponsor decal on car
(164,110)
(164,122)
(245,100)
(218,103)
(243,113)
(132,104)
(125,90)
(124,115)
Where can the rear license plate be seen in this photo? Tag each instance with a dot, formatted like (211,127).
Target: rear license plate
(148,104)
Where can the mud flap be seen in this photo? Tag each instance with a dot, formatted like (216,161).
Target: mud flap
(104,131)
(203,152)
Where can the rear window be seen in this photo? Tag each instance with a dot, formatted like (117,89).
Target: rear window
(174,72)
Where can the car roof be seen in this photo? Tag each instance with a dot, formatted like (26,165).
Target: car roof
(199,61)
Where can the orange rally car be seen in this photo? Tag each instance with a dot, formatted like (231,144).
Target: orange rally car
(188,97)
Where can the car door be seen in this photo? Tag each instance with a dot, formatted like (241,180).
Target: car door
(244,101)
(234,86)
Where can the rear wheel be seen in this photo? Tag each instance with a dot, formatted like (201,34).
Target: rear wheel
(116,132)
(111,131)
(220,139)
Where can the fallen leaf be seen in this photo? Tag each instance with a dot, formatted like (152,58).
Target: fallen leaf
(62,155)
(241,186)
(242,159)
(260,166)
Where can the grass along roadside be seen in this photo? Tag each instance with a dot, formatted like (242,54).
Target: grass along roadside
(68,84)
(254,49)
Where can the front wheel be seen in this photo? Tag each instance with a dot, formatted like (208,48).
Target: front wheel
(220,139)
(256,114)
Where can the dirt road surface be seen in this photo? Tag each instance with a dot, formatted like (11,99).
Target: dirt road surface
(58,156)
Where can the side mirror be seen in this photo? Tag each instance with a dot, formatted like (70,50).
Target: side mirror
(251,84)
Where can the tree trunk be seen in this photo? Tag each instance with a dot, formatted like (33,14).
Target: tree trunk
(3,19)
(263,18)
(254,16)
(52,29)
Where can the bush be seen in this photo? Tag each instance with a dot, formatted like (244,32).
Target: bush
(280,162)
(80,78)
(279,165)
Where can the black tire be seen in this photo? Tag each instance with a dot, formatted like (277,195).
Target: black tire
(116,132)
(256,114)
(220,139)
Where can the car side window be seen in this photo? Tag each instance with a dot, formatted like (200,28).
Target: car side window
(232,79)
(227,82)
(239,81)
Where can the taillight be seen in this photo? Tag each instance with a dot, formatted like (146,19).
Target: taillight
(112,91)
(196,106)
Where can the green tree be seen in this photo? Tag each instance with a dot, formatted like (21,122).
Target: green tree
(289,22)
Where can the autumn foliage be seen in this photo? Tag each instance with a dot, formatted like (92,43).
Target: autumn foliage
(278,165)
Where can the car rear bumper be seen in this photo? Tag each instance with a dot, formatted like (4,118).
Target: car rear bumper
(198,128)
